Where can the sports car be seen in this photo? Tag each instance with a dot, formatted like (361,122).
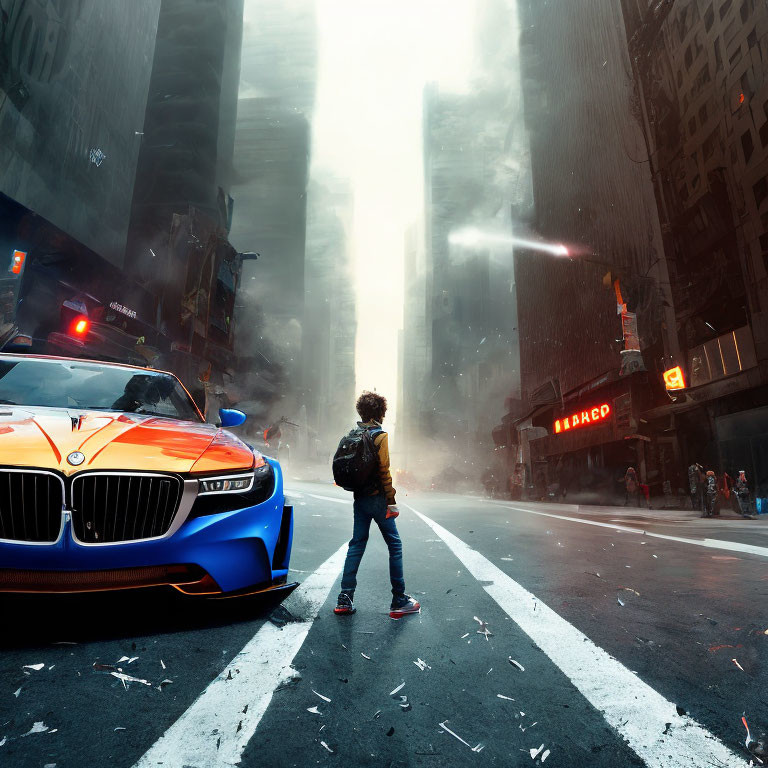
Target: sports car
(110,478)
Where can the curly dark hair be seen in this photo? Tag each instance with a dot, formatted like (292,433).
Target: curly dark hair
(371,406)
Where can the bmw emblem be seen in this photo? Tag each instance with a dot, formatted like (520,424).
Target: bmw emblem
(76,458)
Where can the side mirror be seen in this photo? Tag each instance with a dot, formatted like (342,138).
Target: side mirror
(229,417)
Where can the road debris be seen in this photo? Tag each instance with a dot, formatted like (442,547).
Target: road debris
(477,748)
(38,727)
(421,664)
(324,698)
(123,678)
(36,667)
(314,710)
(399,688)
(502,696)
(737,664)
(483,628)
(516,664)
(323,744)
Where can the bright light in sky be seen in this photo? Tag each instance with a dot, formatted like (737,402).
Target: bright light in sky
(471,237)
(375,57)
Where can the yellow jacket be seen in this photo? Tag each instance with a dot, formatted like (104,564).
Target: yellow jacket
(381,441)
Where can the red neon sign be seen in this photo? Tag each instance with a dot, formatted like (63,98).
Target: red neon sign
(674,378)
(583,418)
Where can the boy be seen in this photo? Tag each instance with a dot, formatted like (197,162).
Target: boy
(376,502)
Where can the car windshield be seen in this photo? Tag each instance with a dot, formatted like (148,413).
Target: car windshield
(90,386)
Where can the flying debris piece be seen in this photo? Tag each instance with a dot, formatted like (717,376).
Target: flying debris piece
(130,660)
(3,740)
(16,693)
(463,636)
(536,752)
(545,755)
(399,688)
(516,664)
(421,664)
(39,727)
(162,663)
(36,667)
(502,696)
(483,628)
(737,664)
(656,556)
(119,728)
(365,657)
(377,712)
(321,728)
(619,601)
(323,744)
(477,748)
(129,679)
(324,698)
(314,710)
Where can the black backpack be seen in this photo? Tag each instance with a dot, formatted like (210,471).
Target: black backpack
(356,459)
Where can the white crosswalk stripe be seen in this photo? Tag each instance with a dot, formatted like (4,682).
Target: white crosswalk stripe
(634,709)
(215,730)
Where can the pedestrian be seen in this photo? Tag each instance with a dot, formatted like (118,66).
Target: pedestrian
(696,486)
(374,502)
(631,488)
(711,493)
(741,489)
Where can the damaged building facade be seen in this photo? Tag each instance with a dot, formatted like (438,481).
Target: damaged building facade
(117,128)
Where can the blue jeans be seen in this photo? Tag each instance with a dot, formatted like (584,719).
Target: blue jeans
(367,509)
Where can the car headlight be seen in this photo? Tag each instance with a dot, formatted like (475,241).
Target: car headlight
(225,493)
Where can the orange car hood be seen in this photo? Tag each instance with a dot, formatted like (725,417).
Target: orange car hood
(45,437)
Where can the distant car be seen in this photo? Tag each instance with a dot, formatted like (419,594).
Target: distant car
(110,478)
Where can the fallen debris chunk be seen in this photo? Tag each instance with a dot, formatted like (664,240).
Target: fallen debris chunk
(36,667)
(421,664)
(405,704)
(314,710)
(324,698)
(476,748)
(508,559)
(162,663)
(164,682)
(502,696)
(16,693)
(629,589)
(463,636)
(129,679)
(322,743)
(483,628)
(38,727)
(516,664)
(365,657)
(119,728)
(545,755)
(536,752)
(376,714)
(399,688)
(127,659)
(737,664)
(619,601)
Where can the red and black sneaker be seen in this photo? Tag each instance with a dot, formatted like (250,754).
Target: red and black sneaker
(344,606)
(402,605)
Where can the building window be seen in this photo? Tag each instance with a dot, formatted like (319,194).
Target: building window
(747,146)
(724,8)
(709,18)
(760,191)
(726,355)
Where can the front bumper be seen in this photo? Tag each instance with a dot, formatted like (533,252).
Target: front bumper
(240,551)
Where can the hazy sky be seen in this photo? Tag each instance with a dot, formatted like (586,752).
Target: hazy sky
(374,58)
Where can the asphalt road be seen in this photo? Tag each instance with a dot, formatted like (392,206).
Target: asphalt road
(639,639)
